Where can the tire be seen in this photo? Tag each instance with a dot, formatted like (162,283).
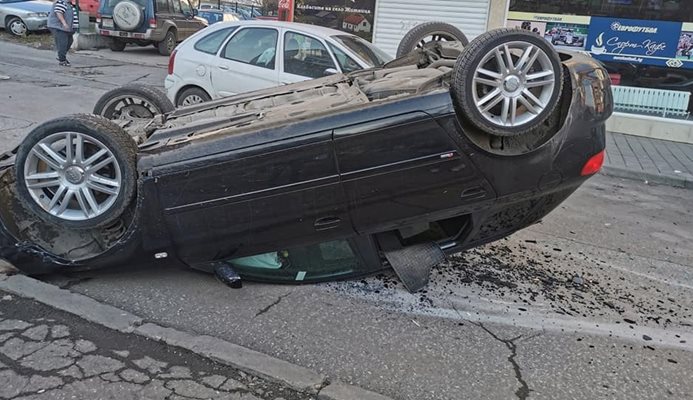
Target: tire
(128,15)
(473,90)
(168,44)
(62,199)
(117,45)
(437,31)
(192,95)
(16,26)
(132,102)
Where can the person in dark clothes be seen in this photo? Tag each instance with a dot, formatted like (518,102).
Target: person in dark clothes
(62,22)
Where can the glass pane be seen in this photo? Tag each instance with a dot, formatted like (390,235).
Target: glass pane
(305,56)
(347,63)
(176,6)
(186,7)
(211,43)
(370,54)
(320,262)
(162,6)
(255,46)
(669,10)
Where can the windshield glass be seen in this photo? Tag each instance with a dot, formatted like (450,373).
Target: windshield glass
(370,54)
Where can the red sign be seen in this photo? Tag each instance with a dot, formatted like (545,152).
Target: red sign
(286,10)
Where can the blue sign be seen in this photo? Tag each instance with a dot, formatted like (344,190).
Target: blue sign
(636,41)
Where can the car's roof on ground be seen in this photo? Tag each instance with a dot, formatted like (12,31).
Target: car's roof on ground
(314,29)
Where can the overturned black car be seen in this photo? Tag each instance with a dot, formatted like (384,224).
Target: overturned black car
(442,150)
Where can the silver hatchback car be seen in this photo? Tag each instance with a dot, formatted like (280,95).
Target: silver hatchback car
(20,17)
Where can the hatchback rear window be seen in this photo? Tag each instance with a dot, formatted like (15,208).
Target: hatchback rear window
(211,43)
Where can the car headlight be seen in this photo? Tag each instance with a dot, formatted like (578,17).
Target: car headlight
(40,14)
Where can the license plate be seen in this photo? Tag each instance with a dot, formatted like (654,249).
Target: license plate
(123,34)
(107,23)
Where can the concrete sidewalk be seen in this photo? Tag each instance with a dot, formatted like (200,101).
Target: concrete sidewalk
(646,159)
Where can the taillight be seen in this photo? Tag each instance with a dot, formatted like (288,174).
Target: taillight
(152,23)
(98,18)
(171,61)
(593,165)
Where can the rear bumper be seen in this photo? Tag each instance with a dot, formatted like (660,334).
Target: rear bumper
(150,34)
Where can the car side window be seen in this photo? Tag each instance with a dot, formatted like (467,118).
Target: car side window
(176,7)
(185,6)
(162,6)
(211,43)
(347,63)
(305,56)
(255,46)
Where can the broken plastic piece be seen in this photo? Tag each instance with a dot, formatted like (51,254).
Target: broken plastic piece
(228,276)
(413,264)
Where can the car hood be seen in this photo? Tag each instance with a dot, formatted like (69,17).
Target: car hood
(29,6)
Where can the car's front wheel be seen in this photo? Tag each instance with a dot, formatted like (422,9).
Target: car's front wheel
(78,171)
(507,82)
(191,96)
(16,26)
(132,102)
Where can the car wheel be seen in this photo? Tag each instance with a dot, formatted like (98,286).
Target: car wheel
(507,82)
(16,26)
(77,171)
(117,45)
(193,95)
(427,33)
(168,44)
(133,101)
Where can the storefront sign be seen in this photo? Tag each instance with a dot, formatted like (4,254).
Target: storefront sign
(635,41)
(352,16)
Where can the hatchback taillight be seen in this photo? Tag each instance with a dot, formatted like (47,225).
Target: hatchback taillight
(171,61)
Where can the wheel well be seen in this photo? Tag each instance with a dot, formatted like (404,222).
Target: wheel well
(186,87)
(9,17)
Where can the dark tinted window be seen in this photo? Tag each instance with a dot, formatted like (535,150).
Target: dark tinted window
(162,6)
(256,46)
(305,56)
(212,42)
(669,10)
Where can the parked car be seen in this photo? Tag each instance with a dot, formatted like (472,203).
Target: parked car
(403,163)
(162,23)
(230,58)
(20,17)
(212,16)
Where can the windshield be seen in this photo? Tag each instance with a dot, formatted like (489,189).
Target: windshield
(368,53)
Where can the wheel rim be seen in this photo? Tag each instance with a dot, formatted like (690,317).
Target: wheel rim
(18,28)
(129,107)
(72,176)
(435,37)
(170,44)
(192,99)
(513,84)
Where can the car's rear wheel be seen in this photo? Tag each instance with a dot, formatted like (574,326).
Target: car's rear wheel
(78,171)
(168,44)
(191,96)
(426,34)
(507,82)
(132,102)
(117,45)
(16,26)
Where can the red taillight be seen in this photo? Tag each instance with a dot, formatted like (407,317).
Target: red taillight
(171,61)
(593,165)
(152,23)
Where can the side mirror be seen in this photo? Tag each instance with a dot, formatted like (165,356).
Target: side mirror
(195,12)
(330,71)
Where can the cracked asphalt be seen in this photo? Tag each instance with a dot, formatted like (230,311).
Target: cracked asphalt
(596,301)
(48,354)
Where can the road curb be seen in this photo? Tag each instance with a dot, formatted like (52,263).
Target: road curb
(247,360)
(679,181)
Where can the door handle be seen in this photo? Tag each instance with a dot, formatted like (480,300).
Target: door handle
(323,224)
(224,67)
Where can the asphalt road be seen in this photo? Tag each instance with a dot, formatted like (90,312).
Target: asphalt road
(594,302)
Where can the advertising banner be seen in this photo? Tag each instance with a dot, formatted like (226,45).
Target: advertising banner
(635,41)
(352,16)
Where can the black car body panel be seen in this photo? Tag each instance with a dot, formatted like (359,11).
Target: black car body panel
(213,189)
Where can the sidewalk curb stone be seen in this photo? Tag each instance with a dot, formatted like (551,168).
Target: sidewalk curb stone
(679,181)
(250,361)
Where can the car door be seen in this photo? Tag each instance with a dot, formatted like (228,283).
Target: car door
(304,57)
(188,23)
(247,62)
(258,192)
(399,168)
